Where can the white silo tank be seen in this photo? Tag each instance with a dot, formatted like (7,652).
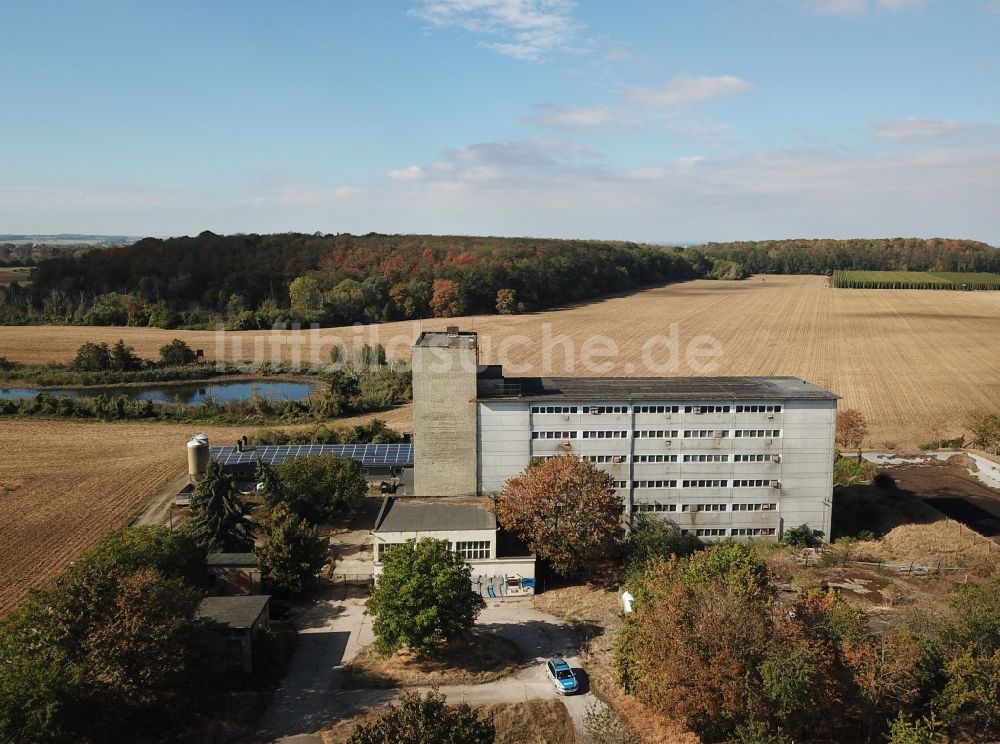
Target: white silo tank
(198,456)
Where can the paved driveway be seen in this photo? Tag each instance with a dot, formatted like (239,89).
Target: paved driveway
(332,633)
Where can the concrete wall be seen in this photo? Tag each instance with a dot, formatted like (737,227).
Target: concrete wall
(805,450)
(504,443)
(444,421)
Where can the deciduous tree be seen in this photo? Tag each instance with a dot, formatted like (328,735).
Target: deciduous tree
(293,552)
(506,301)
(565,509)
(852,428)
(444,300)
(423,597)
(323,487)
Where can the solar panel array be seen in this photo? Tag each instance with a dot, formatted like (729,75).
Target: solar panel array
(275,454)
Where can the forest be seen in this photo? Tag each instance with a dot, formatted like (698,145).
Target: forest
(882,254)
(255,281)
(249,281)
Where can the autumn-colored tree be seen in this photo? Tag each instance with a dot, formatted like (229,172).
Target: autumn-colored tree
(565,509)
(444,300)
(506,301)
(701,630)
(852,428)
(885,671)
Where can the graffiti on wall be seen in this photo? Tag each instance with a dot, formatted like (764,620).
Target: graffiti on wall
(503,586)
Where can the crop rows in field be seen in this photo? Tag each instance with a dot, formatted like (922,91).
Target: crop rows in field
(915,280)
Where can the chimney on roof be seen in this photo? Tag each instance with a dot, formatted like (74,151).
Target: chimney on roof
(453,331)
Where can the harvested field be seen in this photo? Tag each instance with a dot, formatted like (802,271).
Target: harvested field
(10,274)
(914,362)
(65,484)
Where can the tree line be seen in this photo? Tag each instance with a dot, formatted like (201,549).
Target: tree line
(255,281)
(881,254)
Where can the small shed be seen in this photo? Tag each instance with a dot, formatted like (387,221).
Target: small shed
(233,573)
(235,623)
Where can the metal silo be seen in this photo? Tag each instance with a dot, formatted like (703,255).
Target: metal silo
(197,450)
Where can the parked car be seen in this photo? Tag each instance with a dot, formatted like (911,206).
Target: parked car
(561,675)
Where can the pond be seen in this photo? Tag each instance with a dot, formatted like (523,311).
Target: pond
(188,393)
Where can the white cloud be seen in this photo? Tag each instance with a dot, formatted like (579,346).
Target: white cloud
(837,7)
(947,191)
(900,4)
(407,174)
(859,7)
(914,129)
(574,117)
(523,29)
(943,130)
(682,90)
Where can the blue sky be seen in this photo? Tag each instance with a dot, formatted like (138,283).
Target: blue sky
(661,121)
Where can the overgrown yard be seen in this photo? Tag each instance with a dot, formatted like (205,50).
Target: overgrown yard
(596,612)
(480,658)
(531,722)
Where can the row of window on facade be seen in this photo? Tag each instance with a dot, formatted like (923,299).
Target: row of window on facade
(617,459)
(657,506)
(471,550)
(754,408)
(701,483)
(657,434)
(642,459)
(731,532)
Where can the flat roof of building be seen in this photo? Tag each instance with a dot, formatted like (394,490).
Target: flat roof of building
(448,339)
(236,613)
(421,515)
(653,388)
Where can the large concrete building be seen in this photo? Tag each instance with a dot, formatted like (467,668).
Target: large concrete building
(718,456)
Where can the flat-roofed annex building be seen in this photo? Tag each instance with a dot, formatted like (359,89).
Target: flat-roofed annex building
(500,565)
(719,456)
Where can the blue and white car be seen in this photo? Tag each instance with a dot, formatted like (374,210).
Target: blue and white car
(561,675)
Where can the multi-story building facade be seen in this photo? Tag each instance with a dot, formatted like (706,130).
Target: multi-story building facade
(718,456)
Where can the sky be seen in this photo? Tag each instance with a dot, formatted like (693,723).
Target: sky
(678,121)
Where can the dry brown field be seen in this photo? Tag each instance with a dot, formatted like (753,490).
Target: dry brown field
(65,484)
(915,362)
(17,274)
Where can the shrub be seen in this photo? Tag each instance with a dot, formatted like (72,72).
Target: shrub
(425,720)
(847,471)
(176,353)
(802,536)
